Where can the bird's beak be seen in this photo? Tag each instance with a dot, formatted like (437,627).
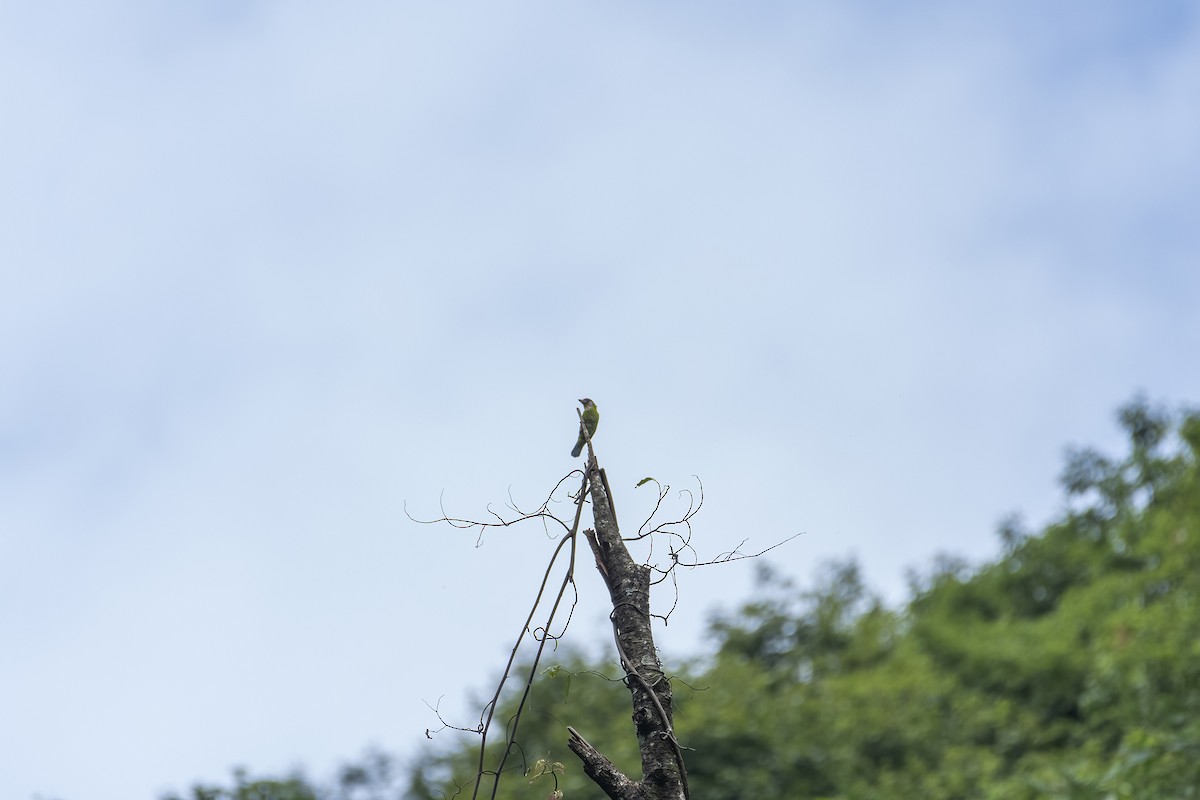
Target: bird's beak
(581,400)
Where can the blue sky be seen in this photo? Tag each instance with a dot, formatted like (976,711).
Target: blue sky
(269,271)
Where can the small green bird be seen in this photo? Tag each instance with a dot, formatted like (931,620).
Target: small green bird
(591,418)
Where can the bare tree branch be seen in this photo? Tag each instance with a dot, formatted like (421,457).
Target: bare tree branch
(664,773)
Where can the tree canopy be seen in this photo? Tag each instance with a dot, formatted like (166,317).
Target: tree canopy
(1068,666)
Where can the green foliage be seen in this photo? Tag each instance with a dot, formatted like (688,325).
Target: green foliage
(1067,667)
(292,788)
(568,692)
(375,777)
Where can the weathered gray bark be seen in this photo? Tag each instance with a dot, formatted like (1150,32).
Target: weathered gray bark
(663,773)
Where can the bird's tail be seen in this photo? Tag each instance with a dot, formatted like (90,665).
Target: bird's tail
(578,448)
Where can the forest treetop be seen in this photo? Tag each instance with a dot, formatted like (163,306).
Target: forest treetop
(1068,666)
